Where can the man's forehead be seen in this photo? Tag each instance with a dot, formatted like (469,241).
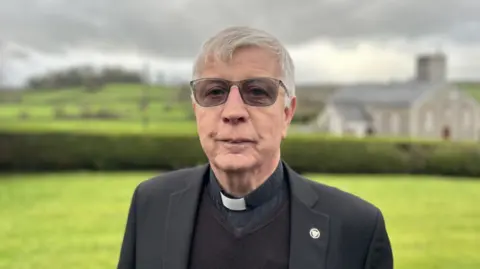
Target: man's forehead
(241,65)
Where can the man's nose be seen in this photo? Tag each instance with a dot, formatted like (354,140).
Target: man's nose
(234,111)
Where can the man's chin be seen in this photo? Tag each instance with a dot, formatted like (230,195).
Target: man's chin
(234,162)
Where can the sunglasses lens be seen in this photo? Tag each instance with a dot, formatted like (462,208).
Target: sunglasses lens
(210,92)
(254,92)
(259,92)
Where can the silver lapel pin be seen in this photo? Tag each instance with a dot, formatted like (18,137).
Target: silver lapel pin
(314,233)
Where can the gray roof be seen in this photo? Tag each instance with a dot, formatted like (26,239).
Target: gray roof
(402,94)
(314,92)
(353,112)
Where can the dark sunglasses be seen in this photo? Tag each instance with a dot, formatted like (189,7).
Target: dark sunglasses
(209,92)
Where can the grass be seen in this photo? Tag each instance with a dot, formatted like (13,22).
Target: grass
(98,126)
(472,89)
(36,111)
(109,94)
(76,220)
(41,108)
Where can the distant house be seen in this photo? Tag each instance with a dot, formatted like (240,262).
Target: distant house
(427,107)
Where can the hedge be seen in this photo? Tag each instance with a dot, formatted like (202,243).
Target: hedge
(26,151)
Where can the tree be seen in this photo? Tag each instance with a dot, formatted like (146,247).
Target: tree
(83,76)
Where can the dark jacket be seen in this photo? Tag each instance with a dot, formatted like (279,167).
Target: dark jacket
(162,217)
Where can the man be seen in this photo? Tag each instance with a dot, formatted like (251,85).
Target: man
(247,208)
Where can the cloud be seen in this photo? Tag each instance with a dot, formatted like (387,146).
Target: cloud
(330,40)
(380,61)
(317,61)
(177,27)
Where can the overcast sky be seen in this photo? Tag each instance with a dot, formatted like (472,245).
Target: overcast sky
(330,40)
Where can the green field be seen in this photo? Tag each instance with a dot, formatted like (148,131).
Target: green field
(76,220)
(471,88)
(98,126)
(169,109)
(117,107)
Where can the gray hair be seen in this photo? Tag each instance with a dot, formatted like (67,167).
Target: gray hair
(223,45)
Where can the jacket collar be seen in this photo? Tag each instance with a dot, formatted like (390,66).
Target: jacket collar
(256,198)
(309,228)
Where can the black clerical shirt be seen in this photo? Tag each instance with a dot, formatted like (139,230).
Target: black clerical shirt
(261,203)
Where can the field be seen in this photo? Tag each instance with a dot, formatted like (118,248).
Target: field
(76,220)
(99,126)
(472,89)
(115,108)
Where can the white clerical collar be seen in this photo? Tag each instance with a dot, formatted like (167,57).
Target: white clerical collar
(236,204)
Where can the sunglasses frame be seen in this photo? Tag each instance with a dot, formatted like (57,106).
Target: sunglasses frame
(239,83)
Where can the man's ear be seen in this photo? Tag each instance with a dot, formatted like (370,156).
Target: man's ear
(290,110)
(289,114)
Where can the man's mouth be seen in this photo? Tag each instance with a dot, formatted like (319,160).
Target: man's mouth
(237,141)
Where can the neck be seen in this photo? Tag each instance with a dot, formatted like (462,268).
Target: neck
(241,183)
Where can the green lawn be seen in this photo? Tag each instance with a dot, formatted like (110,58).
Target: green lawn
(111,93)
(76,220)
(39,110)
(471,88)
(119,104)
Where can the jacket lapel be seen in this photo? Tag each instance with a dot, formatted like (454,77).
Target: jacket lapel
(181,215)
(309,227)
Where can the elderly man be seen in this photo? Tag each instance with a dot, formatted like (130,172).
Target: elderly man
(247,208)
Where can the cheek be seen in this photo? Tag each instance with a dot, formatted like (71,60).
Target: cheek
(270,126)
(206,123)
